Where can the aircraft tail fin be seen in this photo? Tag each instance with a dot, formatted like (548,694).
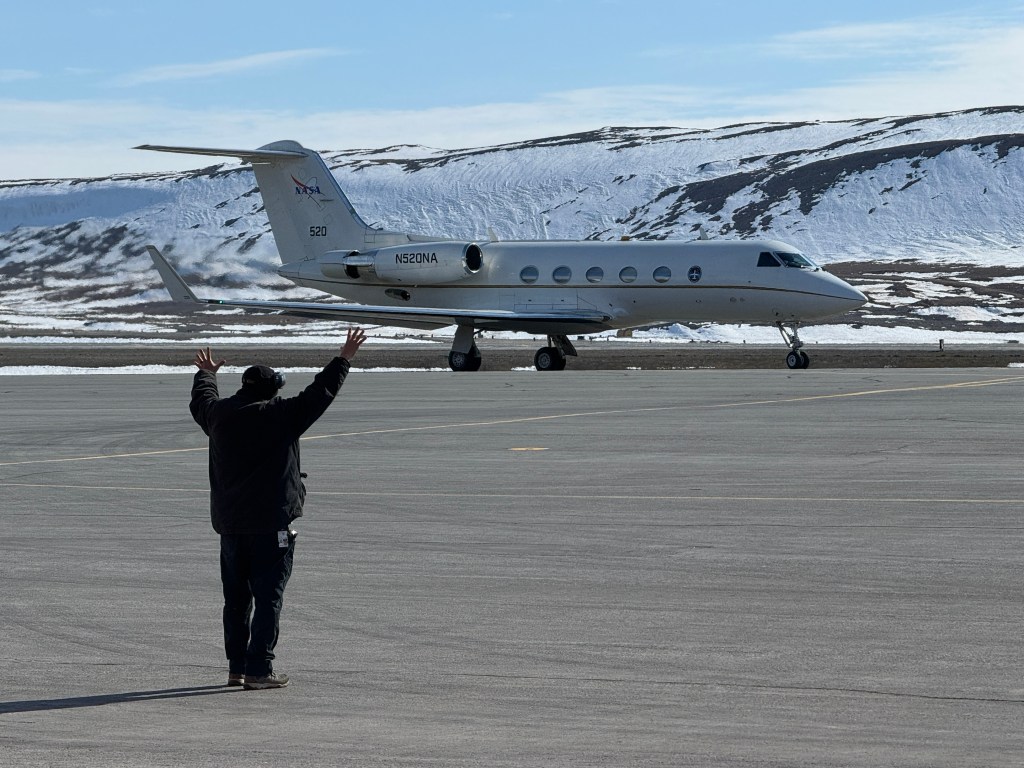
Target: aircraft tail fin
(309,214)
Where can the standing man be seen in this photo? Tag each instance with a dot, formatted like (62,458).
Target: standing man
(256,492)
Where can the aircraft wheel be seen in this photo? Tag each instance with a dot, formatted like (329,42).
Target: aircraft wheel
(465,361)
(549,359)
(797,360)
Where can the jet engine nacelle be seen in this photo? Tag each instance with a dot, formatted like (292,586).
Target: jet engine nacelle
(413,264)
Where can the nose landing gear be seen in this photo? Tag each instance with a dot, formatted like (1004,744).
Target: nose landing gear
(796,359)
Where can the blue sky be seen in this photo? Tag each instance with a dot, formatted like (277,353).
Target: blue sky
(82,82)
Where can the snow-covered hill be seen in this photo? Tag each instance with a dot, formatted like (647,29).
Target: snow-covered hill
(925,213)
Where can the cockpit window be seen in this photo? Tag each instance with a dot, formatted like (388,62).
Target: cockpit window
(797,260)
(767,260)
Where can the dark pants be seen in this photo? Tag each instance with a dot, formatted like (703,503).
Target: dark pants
(254,570)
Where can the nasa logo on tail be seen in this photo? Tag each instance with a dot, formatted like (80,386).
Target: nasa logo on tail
(308,189)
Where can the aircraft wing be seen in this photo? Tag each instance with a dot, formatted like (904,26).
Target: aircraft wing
(425,318)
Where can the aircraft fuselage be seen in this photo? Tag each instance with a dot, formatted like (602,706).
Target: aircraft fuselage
(634,283)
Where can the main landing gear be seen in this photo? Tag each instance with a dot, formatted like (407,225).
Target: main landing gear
(797,358)
(552,357)
(465,356)
(465,361)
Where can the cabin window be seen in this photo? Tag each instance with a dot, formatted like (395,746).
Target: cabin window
(627,274)
(797,260)
(595,274)
(562,275)
(662,274)
(767,260)
(529,275)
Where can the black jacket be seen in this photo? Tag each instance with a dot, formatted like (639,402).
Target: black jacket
(255,482)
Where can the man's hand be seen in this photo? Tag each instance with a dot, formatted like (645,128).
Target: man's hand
(204,361)
(355,340)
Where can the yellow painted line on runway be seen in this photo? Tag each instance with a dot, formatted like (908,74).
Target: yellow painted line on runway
(635,497)
(97,457)
(67,487)
(558,416)
(549,495)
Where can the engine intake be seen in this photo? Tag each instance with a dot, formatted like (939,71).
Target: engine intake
(413,264)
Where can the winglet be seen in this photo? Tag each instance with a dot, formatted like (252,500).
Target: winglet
(172,280)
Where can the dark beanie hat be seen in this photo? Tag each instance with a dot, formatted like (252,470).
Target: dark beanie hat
(263,379)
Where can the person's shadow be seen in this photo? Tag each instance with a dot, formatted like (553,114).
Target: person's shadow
(38,705)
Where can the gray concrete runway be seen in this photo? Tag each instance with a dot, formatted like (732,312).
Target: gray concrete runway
(706,568)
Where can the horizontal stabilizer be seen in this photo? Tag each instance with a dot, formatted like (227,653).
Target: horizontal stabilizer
(248,155)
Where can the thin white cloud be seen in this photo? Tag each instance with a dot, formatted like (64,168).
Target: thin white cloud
(972,70)
(15,75)
(862,41)
(177,72)
(933,64)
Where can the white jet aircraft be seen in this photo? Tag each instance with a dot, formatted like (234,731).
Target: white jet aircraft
(552,288)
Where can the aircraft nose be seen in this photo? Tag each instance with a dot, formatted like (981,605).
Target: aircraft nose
(836,296)
(849,297)
(852,294)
